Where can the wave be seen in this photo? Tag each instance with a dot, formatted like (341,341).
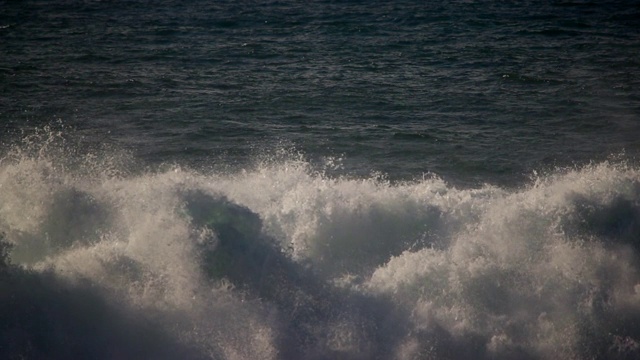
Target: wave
(283,262)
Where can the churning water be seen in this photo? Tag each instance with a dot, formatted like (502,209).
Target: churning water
(319,180)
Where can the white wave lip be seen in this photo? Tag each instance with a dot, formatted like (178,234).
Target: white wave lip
(546,271)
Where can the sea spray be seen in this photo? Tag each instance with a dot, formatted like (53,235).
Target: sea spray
(282,261)
(517,281)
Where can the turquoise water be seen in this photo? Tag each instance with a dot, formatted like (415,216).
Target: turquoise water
(320,179)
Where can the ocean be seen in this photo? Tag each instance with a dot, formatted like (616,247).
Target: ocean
(319,180)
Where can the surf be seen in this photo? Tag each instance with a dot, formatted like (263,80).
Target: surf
(282,261)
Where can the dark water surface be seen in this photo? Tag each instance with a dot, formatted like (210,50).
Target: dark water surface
(473,91)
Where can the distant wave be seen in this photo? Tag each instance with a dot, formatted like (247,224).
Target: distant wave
(282,262)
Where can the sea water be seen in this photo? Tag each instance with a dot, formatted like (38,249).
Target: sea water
(319,180)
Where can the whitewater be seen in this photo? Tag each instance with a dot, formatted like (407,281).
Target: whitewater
(282,261)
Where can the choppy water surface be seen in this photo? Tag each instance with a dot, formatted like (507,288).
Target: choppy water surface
(472,91)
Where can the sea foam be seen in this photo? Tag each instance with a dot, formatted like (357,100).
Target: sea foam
(282,261)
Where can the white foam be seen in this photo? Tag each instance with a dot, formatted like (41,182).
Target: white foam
(546,271)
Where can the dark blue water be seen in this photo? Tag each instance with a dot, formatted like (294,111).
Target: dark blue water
(473,91)
(320,179)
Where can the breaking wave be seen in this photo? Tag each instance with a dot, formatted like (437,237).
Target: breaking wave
(283,262)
